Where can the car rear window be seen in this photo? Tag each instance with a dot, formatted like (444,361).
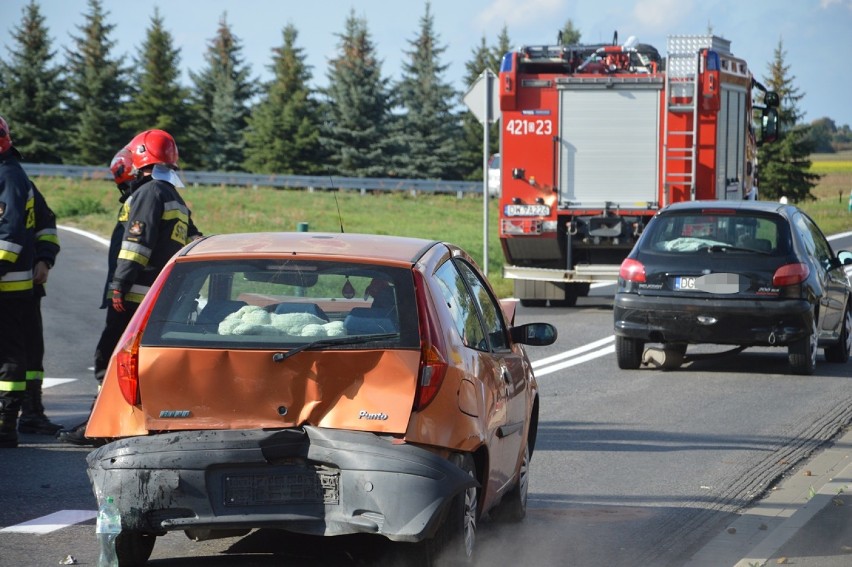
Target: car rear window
(737,233)
(249,304)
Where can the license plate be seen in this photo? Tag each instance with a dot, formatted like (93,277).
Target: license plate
(527,211)
(302,487)
(719,283)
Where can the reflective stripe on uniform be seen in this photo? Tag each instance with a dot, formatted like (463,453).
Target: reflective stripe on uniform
(133,252)
(35,375)
(9,251)
(13,386)
(137,293)
(48,235)
(16,281)
(174,210)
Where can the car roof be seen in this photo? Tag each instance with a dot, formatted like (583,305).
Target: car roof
(370,247)
(738,205)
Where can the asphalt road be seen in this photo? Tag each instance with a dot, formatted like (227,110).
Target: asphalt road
(639,467)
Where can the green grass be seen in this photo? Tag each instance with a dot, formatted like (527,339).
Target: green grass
(93,204)
(831,208)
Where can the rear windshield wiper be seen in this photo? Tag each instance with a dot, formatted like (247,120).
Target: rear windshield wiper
(333,341)
(732,248)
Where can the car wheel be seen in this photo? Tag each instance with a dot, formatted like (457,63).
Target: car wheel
(454,541)
(839,351)
(513,508)
(534,302)
(133,548)
(628,352)
(802,354)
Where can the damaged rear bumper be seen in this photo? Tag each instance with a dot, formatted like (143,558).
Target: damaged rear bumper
(311,480)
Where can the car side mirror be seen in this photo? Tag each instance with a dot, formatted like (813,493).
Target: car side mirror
(534,334)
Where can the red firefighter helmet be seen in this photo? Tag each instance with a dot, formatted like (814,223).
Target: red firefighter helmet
(5,137)
(122,167)
(153,147)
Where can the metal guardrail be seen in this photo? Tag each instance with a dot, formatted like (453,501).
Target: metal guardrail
(308,182)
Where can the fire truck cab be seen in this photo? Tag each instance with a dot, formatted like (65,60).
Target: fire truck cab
(596,138)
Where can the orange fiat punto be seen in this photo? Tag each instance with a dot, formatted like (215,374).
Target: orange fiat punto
(323,384)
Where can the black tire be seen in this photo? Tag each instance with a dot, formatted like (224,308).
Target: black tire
(572,292)
(628,352)
(802,354)
(534,302)
(455,540)
(134,548)
(513,508)
(839,351)
(567,302)
(674,354)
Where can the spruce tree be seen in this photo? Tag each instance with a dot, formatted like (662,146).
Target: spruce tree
(221,95)
(32,103)
(569,34)
(158,100)
(97,87)
(784,165)
(428,132)
(357,107)
(283,130)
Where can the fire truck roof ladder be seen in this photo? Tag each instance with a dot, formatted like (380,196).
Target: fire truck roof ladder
(679,145)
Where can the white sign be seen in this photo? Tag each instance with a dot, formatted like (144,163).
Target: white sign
(477,99)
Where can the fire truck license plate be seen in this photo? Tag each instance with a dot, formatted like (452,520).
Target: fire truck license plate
(527,211)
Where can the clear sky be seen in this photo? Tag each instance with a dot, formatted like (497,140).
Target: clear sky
(816,34)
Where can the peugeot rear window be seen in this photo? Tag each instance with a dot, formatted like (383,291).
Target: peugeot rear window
(703,231)
(273,303)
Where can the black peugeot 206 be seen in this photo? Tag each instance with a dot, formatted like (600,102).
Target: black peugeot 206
(739,273)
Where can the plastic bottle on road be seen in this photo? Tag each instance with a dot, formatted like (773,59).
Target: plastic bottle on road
(108,527)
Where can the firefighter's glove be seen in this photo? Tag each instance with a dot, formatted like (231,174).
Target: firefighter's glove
(118,300)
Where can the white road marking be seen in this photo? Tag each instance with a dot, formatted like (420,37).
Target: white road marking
(85,233)
(51,382)
(575,356)
(52,522)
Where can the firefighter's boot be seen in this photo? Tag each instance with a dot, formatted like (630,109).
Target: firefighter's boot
(10,403)
(77,435)
(32,418)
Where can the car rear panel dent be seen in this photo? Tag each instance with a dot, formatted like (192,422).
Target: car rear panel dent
(369,390)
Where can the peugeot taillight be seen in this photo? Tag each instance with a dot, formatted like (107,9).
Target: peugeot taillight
(632,271)
(126,355)
(433,359)
(790,274)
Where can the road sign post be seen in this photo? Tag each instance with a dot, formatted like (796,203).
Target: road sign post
(483,101)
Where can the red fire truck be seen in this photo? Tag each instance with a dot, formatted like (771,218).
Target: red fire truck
(596,138)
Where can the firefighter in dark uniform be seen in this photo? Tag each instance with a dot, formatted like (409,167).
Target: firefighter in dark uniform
(17,251)
(155,224)
(33,419)
(122,171)
(159,222)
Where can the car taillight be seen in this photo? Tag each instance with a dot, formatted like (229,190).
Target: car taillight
(632,271)
(126,356)
(433,359)
(790,274)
